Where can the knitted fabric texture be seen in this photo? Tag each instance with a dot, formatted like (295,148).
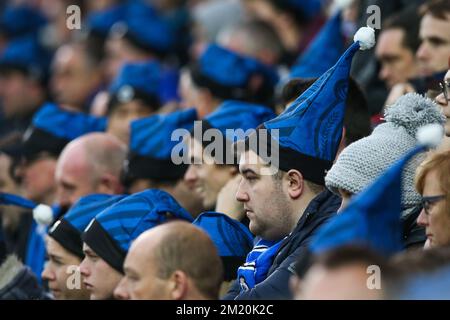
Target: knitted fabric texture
(364,160)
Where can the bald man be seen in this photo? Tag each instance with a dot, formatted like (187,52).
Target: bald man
(174,261)
(89,164)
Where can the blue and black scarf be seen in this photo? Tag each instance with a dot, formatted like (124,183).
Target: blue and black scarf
(257,264)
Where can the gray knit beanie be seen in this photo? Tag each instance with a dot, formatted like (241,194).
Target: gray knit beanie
(364,160)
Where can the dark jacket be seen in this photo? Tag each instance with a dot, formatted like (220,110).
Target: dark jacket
(293,248)
(413,234)
(17,282)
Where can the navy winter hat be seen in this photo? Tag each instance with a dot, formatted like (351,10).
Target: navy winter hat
(326,48)
(227,74)
(230,116)
(232,239)
(148,81)
(101,22)
(27,55)
(145,28)
(21,20)
(67,231)
(52,128)
(150,155)
(112,231)
(309,131)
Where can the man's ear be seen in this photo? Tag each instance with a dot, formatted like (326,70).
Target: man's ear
(178,286)
(295,183)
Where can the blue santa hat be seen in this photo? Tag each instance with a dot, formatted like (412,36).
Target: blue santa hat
(145,28)
(147,81)
(232,239)
(27,55)
(372,218)
(150,155)
(323,52)
(309,131)
(227,74)
(67,230)
(112,231)
(52,128)
(21,20)
(42,213)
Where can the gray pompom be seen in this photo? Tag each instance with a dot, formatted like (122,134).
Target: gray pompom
(413,111)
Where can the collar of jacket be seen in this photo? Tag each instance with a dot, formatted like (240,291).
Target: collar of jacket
(319,210)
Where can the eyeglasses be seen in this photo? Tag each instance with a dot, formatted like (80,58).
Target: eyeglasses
(428,202)
(445,88)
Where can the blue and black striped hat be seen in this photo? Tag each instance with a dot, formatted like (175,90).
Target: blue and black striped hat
(67,231)
(151,146)
(228,74)
(233,240)
(112,231)
(53,127)
(228,118)
(21,20)
(148,81)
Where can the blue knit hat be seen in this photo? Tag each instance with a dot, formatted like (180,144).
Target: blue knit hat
(67,230)
(21,20)
(52,128)
(148,81)
(150,155)
(112,231)
(227,74)
(232,239)
(323,52)
(101,22)
(27,55)
(145,28)
(228,117)
(309,131)
(42,213)
(372,217)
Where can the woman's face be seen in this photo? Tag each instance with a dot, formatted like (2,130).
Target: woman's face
(435,219)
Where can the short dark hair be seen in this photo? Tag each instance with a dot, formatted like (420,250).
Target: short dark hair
(437,8)
(407,20)
(357,117)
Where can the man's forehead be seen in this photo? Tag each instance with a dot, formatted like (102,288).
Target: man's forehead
(430,26)
(249,159)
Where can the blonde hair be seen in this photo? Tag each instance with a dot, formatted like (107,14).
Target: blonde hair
(439,162)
